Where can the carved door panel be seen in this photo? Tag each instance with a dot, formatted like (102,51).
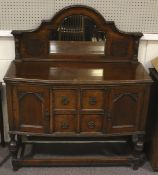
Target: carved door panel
(31,108)
(126,104)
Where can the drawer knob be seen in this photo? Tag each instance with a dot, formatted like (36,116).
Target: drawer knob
(64,125)
(91,124)
(92,100)
(64,100)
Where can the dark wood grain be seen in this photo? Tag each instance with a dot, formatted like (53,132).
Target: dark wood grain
(31,104)
(72,72)
(123,100)
(99,92)
(152,123)
(119,45)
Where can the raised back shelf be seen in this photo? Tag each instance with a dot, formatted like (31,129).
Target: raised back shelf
(116,46)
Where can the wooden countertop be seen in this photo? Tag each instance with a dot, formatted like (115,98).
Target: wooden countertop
(78,73)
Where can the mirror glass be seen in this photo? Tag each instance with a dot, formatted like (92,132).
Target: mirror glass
(77,35)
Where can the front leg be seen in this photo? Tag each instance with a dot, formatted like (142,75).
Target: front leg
(13,149)
(138,141)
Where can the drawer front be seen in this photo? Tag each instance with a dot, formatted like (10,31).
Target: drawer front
(65,99)
(92,123)
(64,123)
(92,99)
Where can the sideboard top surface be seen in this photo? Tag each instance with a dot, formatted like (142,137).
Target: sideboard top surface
(105,73)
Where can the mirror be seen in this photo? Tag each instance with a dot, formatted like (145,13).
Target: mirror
(77,35)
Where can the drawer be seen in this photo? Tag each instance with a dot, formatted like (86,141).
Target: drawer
(65,99)
(64,123)
(92,99)
(92,123)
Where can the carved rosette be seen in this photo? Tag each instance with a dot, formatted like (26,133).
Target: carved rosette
(91,124)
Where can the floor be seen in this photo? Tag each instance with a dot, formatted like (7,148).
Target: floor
(6,169)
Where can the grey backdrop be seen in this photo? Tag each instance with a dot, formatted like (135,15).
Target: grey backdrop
(129,15)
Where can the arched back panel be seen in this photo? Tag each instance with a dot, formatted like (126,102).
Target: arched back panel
(35,45)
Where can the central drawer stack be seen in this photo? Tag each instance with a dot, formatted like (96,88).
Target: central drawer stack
(79,110)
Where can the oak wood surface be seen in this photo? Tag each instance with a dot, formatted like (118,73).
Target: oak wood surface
(77,95)
(70,72)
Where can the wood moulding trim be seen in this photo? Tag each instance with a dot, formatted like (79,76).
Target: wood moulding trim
(72,135)
(38,95)
(48,82)
(147,36)
(118,160)
(133,96)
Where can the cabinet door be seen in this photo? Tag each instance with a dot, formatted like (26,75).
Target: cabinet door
(126,104)
(31,108)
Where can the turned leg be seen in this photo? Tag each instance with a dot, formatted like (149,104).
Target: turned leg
(139,160)
(19,140)
(13,149)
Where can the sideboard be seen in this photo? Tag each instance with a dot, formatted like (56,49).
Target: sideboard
(76,85)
